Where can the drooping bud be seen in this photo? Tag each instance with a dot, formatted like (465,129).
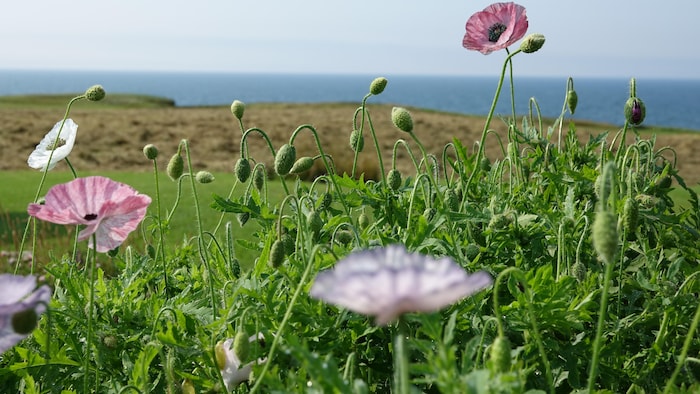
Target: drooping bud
(630,215)
(357,141)
(451,200)
(579,271)
(500,354)
(532,43)
(204,177)
(326,201)
(402,119)
(24,322)
(284,159)
(605,237)
(635,111)
(314,221)
(485,163)
(242,169)
(344,237)
(377,86)
(302,165)
(237,109)
(363,221)
(393,179)
(110,341)
(259,178)
(150,151)
(571,96)
(276,254)
(95,93)
(176,166)
(472,251)
(241,346)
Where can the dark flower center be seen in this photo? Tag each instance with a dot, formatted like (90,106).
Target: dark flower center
(90,216)
(496,30)
(58,144)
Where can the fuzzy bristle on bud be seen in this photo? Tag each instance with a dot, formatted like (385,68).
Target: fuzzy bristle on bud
(605,237)
(357,141)
(176,166)
(150,151)
(377,86)
(284,159)
(393,179)
(500,354)
(242,169)
(95,93)
(452,200)
(303,164)
(402,119)
(259,178)
(204,177)
(532,43)
(571,100)
(363,221)
(276,254)
(314,221)
(237,109)
(241,346)
(635,111)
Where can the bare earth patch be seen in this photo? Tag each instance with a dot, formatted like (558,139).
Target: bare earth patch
(113,138)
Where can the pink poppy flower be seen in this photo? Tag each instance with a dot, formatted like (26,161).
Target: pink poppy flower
(496,27)
(21,304)
(109,209)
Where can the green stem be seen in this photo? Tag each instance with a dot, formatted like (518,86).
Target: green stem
(402,382)
(161,244)
(480,152)
(90,259)
(593,373)
(689,336)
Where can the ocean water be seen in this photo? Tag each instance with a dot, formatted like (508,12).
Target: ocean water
(669,102)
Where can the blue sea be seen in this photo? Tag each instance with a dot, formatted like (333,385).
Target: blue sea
(669,102)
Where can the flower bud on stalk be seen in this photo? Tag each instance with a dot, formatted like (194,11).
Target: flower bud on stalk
(500,354)
(241,346)
(242,169)
(635,111)
(176,166)
(393,178)
(302,165)
(150,151)
(237,109)
(276,254)
(532,43)
(605,236)
(204,177)
(95,93)
(259,178)
(377,86)
(402,119)
(284,159)
(357,141)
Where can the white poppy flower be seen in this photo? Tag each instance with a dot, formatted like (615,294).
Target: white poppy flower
(40,157)
(388,282)
(232,372)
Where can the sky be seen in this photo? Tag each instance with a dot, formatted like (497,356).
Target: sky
(584,38)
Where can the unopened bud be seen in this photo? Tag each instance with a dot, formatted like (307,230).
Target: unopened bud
(571,100)
(635,111)
(284,159)
(393,179)
(357,141)
(23,322)
(532,43)
(176,166)
(242,169)
(241,346)
(95,93)
(204,177)
(500,354)
(237,109)
(402,119)
(302,165)
(150,151)
(605,235)
(377,86)
(276,254)
(259,178)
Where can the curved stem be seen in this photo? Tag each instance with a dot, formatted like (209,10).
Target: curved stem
(593,373)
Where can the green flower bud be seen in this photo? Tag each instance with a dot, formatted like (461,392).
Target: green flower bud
(363,221)
(289,244)
(605,236)
(176,166)
(499,221)
(302,165)
(314,221)
(150,151)
(95,93)
(284,159)
(393,179)
(357,141)
(630,215)
(500,354)
(242,169)
(571,100)
(259,178)
(635,111)
(472,251)
(24,322)
(485,163)
(402,119)
(241,346)
(452,200)
(532,43)
(344,237)
(204,177)
(276,254)
(151,251)
(579,271)
(187,387)
(237,109)
(377,86)
(220,355)
(110,341)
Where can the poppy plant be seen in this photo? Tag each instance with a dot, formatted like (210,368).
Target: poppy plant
(388,282)
(21,304)
(109,209)
(496,27)
(65,132)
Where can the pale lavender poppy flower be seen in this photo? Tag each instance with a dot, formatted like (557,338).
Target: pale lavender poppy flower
(388,282)
(21,304)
